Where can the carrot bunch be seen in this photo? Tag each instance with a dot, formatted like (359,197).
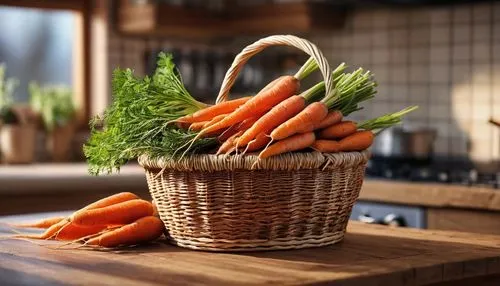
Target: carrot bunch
(347,136)
(118,220)
(279,119)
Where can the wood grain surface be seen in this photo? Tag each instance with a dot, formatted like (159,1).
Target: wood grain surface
(369,255)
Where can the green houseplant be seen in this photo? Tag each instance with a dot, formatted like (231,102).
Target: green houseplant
(56,108)
(17,134)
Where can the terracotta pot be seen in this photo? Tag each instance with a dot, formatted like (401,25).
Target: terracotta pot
(17,143)
(58,142)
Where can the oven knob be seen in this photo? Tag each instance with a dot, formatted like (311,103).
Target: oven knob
(366,218)
(394,220)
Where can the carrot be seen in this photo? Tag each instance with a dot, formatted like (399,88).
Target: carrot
(73,231)
(111,200)
(242,126)
(302,122)
(197,126)
(326,146)
(49,233)
(358,141)
(226,146)
(292,143)
(144,229)
(259,104)
(332,118)
(121,213)
(339,130)
(46,223)
(258,143)
(210,112)
(215,120)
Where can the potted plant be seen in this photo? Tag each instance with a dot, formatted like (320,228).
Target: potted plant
(55,105)
(17,134)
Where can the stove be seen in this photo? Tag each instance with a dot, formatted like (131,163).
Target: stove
(456,171)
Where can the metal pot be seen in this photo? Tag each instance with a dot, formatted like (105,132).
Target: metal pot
(405,143)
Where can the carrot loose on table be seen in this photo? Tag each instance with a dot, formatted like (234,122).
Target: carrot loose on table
(144,229)
(358,141)
(121,213)
(111,200)
(51,232)
(339,130)
(73,231)
(46,223)
(292,143)
(332,118)
(210,112)
(302,122)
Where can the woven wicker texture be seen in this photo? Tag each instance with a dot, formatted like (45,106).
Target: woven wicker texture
(290,201)
(237,203)
(276,40)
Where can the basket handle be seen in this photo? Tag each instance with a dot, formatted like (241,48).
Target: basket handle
(276,40)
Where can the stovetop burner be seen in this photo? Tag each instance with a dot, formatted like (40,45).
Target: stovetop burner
(441,170)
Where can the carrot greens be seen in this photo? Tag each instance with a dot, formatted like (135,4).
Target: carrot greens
(138,120)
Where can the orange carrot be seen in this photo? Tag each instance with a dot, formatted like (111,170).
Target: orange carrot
(46,223)
(339,130)
(73,231)
(215,119)
(277,115)
(326,146)
(292,143)
(358,141)
(302,122)
(332,118)
(197,126)
(242,126)
(210,112)
(48,234)
(259,104)
(258,143)
(226,146)
(111,200)
(121,213)
(144,229)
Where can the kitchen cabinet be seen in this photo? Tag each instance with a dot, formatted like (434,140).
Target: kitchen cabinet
(430,205)
(160,19)
(369,255)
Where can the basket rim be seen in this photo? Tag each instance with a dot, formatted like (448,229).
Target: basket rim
(288,161)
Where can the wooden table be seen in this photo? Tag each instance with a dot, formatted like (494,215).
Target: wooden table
(369,255)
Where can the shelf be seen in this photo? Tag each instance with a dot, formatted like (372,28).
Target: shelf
(167,20)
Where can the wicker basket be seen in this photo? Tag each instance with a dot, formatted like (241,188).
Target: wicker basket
(238,203)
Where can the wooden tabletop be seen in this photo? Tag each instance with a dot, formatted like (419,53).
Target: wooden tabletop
(369,255)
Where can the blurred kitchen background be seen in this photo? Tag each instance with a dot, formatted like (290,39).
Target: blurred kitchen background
(441,168)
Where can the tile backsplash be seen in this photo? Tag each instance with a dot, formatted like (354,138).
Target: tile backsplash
(444,59)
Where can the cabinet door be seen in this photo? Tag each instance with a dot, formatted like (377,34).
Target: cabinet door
(464,220)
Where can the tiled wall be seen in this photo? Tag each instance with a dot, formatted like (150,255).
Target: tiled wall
(444,59)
